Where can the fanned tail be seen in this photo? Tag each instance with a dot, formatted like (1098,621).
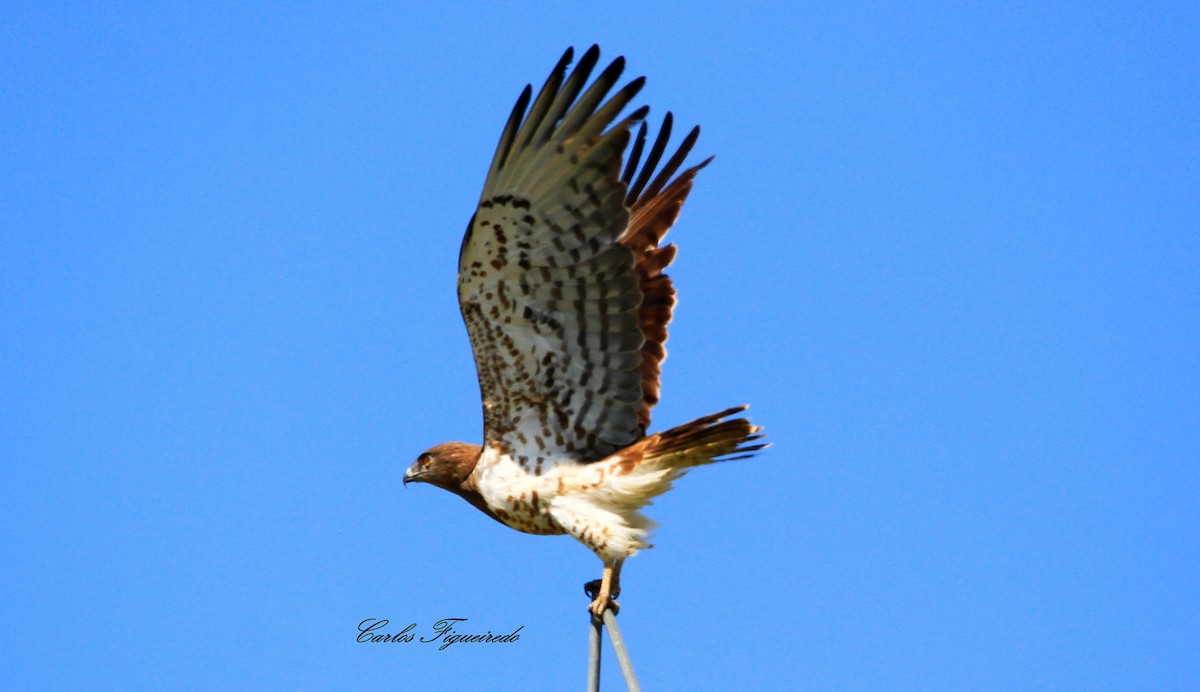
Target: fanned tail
(633,477)
(702,441)
(613,490)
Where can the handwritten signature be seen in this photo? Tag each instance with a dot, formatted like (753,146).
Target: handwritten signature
(374,631)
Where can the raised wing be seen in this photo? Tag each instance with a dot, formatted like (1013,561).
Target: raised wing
(552,273)
(654,210)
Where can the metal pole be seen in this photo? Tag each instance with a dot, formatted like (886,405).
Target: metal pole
(594,655)
(614,633)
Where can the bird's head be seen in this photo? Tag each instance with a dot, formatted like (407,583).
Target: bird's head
(447,465)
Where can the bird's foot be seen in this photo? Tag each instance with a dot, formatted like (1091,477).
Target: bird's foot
(603,598)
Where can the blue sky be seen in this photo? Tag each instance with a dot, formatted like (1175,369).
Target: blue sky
(948,253)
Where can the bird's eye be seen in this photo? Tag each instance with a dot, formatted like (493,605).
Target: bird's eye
(425,460)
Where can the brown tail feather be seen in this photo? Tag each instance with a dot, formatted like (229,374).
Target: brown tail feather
(702,441)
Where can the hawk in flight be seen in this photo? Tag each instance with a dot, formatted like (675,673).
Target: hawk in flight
(561,286)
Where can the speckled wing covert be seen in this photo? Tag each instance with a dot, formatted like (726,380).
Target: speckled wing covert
(561,280)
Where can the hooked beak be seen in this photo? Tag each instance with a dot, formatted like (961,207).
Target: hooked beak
(412,476)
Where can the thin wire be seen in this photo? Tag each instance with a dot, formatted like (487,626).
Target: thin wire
(594,655)
(614,633)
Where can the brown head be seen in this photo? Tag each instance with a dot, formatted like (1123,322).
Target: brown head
(447,465)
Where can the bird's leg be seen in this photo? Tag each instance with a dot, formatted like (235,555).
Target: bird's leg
(608,589)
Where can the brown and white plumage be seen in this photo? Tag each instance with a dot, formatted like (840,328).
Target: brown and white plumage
(562,290)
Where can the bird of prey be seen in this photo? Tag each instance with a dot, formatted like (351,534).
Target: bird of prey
(561,287)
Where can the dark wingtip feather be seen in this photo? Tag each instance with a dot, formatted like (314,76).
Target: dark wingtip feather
(611,74)
(635,155)
(673,164)
(590,58)
(567,56)
(656,150)
(510,129)
(639,114)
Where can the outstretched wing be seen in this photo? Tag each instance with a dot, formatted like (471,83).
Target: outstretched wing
(550,275)
(653,211)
